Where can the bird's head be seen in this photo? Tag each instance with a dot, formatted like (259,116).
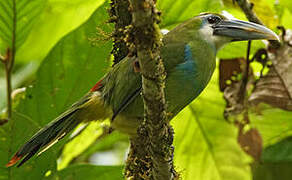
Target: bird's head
(219,30)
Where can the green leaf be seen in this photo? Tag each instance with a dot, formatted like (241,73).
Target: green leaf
(287,4)
(272,171)
(286,19)
(276,162)
(265,10)
(21,74)
(238,49)
(279,152)
(80,143)
(205,144)
(115,142)
(58,18)
(16,20)
(39,25)
(71,68)
(176,11)
(274,124)
(89,172)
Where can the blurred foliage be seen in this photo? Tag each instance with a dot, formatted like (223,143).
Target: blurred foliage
(87,171)
(276,162)
(17,18)
(58,18)
(80,143)
(174,12)
(72,66)
(205,144)
(39,23)
(58,62)
(274,124)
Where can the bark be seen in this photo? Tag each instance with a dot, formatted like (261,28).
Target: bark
(151,151)
(121,17)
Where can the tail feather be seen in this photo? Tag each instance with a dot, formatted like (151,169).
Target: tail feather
(46,137)
(29,155)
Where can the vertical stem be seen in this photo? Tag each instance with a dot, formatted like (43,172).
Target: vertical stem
(243,86)
(10,55)
(8,90)
(152,149)
(8,61)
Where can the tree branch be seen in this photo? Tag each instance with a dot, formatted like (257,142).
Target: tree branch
(247,7)
(151,151)
(121,16)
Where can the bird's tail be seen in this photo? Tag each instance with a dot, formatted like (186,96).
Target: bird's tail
(58,128)
(46,137)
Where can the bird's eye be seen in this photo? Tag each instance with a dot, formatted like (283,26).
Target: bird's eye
(213,19)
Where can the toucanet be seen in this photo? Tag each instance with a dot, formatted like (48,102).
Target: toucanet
(189,56)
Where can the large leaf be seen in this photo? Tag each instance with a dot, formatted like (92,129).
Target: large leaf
(72,67)
(205,144)
(58,18)
(272,171)
(274,124)
(80,143)
(279,152)
(89,172)
(287,4)
(82,148)
(16,20)
(264,9)
(38,25)
(275,162)
(238,49)
(176,11)
(286,19)
(18,78)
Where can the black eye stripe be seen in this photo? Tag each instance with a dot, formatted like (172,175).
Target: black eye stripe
(213,19)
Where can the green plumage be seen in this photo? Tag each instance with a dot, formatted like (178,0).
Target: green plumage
(188,53)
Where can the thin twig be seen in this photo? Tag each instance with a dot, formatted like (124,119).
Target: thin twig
(8,90)
(9,62)
(247,8)
(244,82)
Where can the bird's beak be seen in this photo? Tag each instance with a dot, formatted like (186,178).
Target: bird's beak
(241,30)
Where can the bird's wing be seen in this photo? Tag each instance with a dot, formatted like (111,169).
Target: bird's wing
(126,102)
(121,85)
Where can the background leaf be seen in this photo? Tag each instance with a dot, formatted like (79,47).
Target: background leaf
(206,146)
(89,172)
(58,18)
(276,162)
(80,143)
(274,124)
(66,73)
(16,20)
(174,12)
(40,24)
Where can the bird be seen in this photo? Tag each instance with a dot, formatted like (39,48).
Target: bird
(189,57)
